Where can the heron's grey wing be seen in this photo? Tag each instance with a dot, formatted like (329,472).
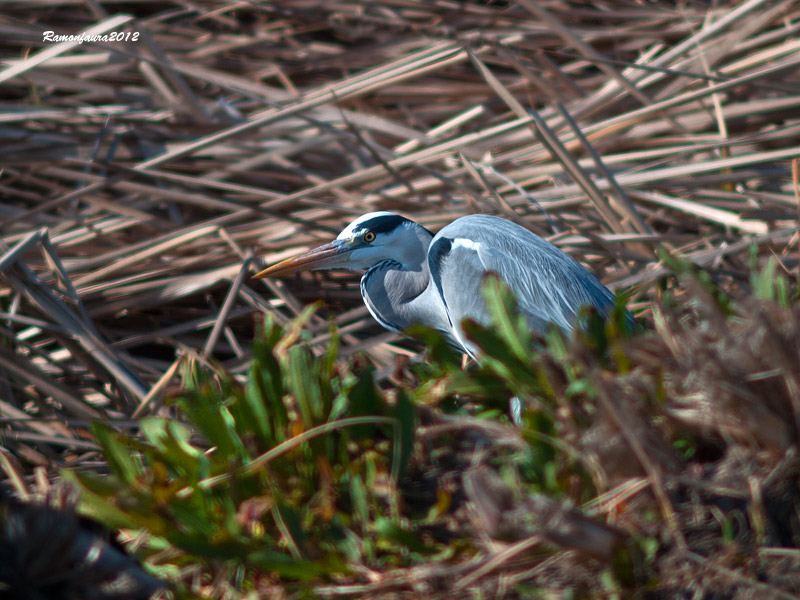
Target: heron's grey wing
(458,271)
(457,277)
(550,285)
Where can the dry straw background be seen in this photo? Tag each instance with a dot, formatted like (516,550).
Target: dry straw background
(144,181)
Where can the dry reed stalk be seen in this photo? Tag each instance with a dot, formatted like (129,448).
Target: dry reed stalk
(137,177)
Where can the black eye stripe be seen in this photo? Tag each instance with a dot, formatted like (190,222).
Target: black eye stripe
(383,224)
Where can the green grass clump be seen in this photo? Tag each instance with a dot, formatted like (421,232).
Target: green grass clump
(624,477)
(277,475)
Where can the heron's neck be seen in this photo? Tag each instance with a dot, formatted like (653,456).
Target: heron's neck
(395,292)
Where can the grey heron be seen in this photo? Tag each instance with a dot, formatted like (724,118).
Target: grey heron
(415,277)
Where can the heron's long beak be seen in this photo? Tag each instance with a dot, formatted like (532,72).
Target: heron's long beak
(327,256)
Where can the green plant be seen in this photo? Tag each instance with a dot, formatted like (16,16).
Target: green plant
(269,476)
(302,477)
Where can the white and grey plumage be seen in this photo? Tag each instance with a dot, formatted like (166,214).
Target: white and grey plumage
(413,276)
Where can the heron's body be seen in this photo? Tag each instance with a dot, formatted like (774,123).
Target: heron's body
(413,276)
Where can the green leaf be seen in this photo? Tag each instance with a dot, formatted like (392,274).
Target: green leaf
(250,412)
(499,357)
(264,391)
(190,519)
(206,411)
(764,282)
(328,362)
(505,316)
(391,531)
(358,496)
(289,523)
(438,351)
(291,568)
(171,444)
(404,438)
(96,499)
(166,433)
(118,454)
(305,385)
(364,400)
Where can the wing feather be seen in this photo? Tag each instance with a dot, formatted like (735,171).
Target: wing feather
(550,285)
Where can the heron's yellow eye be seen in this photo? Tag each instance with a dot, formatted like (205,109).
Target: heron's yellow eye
(369,237)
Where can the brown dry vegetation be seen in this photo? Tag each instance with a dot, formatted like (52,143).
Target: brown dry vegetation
(144,181)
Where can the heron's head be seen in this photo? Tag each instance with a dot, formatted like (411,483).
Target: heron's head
(370,239)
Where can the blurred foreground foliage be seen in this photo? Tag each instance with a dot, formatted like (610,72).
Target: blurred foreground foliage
(656,464)
(275,478)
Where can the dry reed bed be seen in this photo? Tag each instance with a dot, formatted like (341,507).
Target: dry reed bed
(143,181)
